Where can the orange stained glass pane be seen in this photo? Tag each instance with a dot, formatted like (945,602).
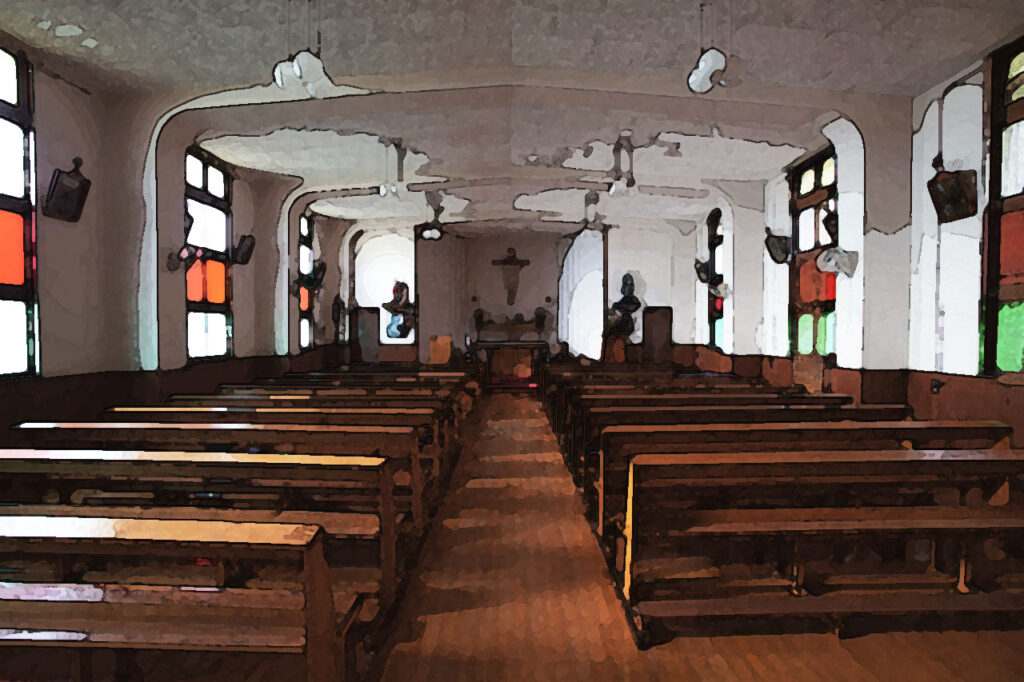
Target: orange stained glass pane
(1011,246)
(303,299)
(194,282)
(12,248)
(216,281)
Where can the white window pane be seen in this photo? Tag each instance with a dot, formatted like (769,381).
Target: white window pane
(209,226)
(1013,159)
(806,229)
(304,226)
(828,172)
(207,334)
(32,166)
(8,77)
(305,259)
(215,182)
(304,332)
(13,337)
(193,171)
(12,159)
(807,181)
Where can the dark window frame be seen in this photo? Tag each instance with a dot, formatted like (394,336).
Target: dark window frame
(1000,116)
(307,241)
(203,196)
(22,115)
(798,203)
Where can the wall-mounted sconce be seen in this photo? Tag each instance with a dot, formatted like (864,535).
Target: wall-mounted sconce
(241,254)
(186,255)
(67,194)
(838,260)
(779,246)
(314,281)
(954,193)
(703,269)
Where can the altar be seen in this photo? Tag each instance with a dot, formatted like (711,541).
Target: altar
(511,364)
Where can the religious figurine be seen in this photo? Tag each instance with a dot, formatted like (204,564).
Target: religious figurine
(403,313)
(620,324)
(510,267)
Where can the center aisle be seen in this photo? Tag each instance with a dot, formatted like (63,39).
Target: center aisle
(512,586)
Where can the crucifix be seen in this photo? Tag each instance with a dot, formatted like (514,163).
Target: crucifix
(510,267)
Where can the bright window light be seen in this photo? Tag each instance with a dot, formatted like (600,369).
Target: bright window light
(304,226)
(210,226)
(1013,159)
(828,172)
(207,334)
(215,182)
(13,337)
(807,181)
(8,78)
(305,259)
(193,171)
(12,159)
(807,237)
(304,332)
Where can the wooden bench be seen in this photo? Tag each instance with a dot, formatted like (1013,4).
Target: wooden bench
(740,532)
(170,617)
(619,444)
(434,427)
(401,443)
(352,498)
(586,439)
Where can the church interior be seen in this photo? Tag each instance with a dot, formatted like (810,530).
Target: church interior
(511,340)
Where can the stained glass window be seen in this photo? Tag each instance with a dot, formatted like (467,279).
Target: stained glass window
(18,306)
(716,302)
(1002,323)
(208,276)
(814,202)
(306,295)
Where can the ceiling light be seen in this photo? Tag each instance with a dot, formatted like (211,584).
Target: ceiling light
(279,74)
(383,190)
(711,62)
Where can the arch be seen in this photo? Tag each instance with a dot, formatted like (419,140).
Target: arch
(848,143)
(585,316)
(584,258)
(381,260)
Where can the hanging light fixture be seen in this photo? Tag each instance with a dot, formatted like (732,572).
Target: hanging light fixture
(709,66)
(305,67)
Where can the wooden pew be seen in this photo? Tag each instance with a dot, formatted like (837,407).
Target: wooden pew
(619,444)
(586,440)
(434,426)
(401,443)
(578,416)
(352,498)
(565,395)
(714,537)
(165,617)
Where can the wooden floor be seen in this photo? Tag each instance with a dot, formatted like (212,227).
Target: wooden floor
(512,586)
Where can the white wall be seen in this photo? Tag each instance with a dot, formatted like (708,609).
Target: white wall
(774,332)
(944,319)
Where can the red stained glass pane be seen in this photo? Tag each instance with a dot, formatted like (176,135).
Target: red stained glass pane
(830,286)
(718,303)
(12,248)
(303,299)
(216,281)
(1011,248)
(194,282)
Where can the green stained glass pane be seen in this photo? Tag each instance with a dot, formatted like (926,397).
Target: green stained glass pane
(1010,341)
(719,332)
(830,326)
(805,334)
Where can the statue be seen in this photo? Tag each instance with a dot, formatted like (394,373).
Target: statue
(510,267)
(403,313)
(620,324)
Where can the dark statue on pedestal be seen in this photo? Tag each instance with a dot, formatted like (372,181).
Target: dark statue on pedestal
(403,313)
(620,325)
